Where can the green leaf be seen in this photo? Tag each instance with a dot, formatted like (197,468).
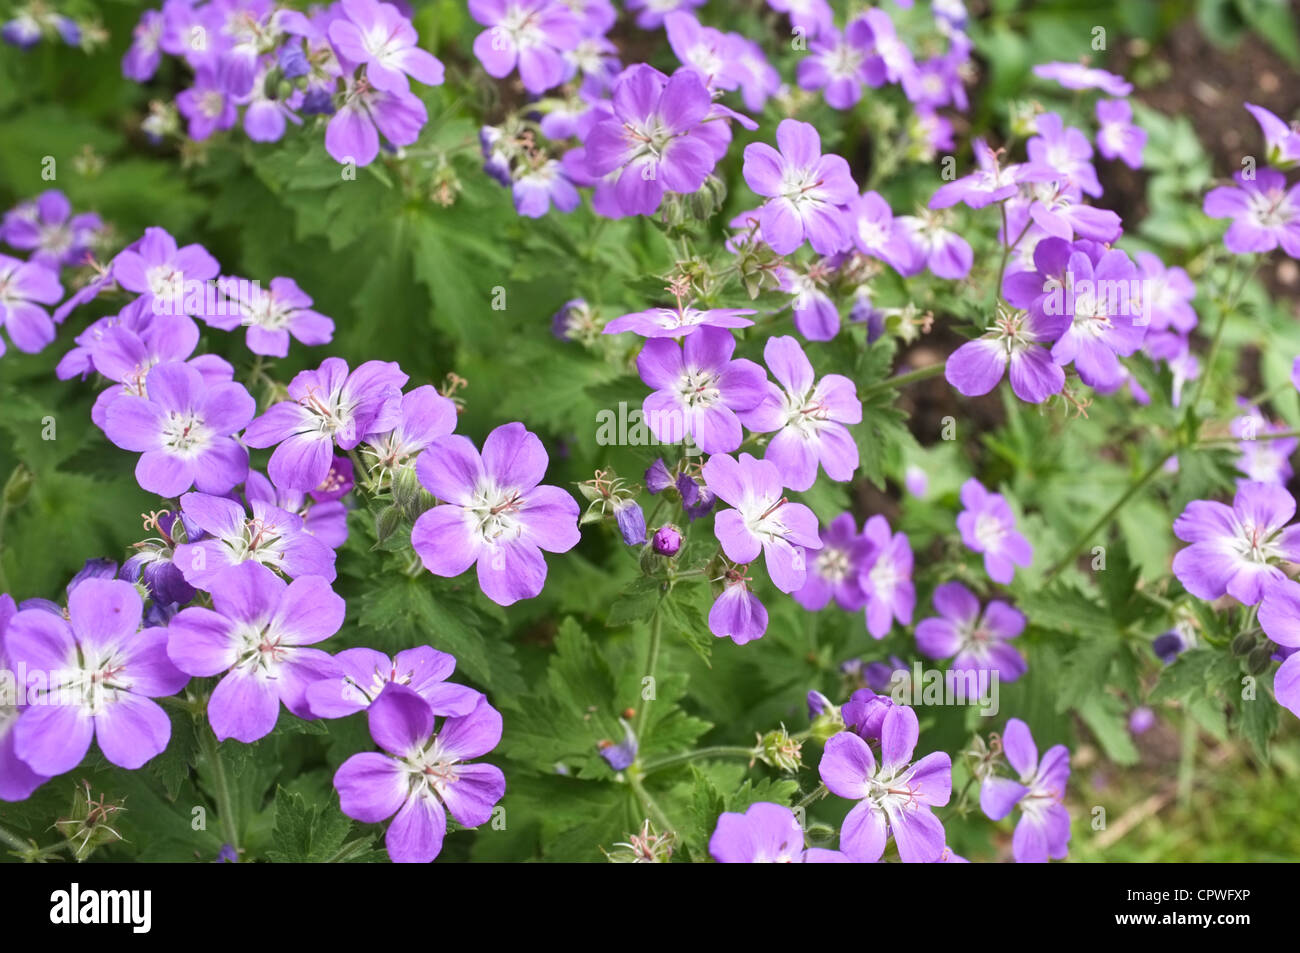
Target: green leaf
(306,834)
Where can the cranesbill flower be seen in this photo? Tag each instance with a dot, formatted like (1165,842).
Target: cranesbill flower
(1281,138)
(1065,151)
(698,389)
(17,780)
(494,513)
(54,236)
(1279,616)
(1117,136)
(1107,319)
(152,563)
(183,430)
(1078,76)
(156,267)
(273,315)
(208,104)
(535,190)
(1236,550)
(103,672)
(992,182)
(679,321)
(737,613)
(329,407)
(423,776)
(1015,341)
(1056,208)
(1043,830)
(885,576)
(327,520)
(353,131)
(765,834)
(840,64)
(1167,294)
(362,674)
(530,34)
(871,226)
(988,526)
(762,520)
(272,537)
(833,569)
(895,797)
(712,54)
(934,246)
(257,636)
(377,36)
(24,287)
(816,315)
(425,416)
(974,640)
(811,16)
(1264,211)
(806,190)
(808,417)
(1262,459)
(143,56)
(658,140)
(651,13)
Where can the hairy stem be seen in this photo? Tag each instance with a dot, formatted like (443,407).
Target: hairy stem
(902,380)
(684,757)
(220,786)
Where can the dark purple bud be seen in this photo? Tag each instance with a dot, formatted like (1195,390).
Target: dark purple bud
(94,569)
(657,478)
(631,522)
(620,756)
(817,703)
(1168,646)
(1140,720)
(667,540)
(864,713)
(293,61)
(317,102)
(227,855)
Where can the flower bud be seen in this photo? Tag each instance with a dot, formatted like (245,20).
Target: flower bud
(667,540)
(780,750)
(89,824)
(18,486)
(1258,660)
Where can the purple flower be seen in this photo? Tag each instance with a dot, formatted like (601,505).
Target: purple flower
(679,321)
(362,674)
(155,267)
(23,31)
(811,16)
(1281,138)
(840,64)
(24,287)
(808,417)
(353,131)
(833,569)
(530,34)
(1235,550)
(864,712)
(1167,295)
(1064,151)
(699,389)
(630,521)
(153,562)
(1016,341)
(54,236)
(1078,76)
(897,797)
(329,407)
(659,139)
(102,673)
(714,56)
(806,190)
(1141,720)
(183,430)
(651,13)
(423,776)
(871,225)
(377,36)
(765,834)
(327,520)
(885,576)
(1279,616)
(991,182)
(737,613)
(934,246)
(620,756)
(1264,211)
(1117,137)
(208,105)
(1107,316)
(988,526)
(974,640)
(1056,208)
(535,190)
(697,499)
(494,514)
(425,416)
(1168,646)
(272,537)
(17,780)
(273,315)
(761,519)
(1043,830)
(1262,460)
(257,636)
(667,540)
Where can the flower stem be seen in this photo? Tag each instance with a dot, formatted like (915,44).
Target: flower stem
(14,841)
(699,754)
(1229,441)
(816,794)
(208,744)
(902,380)
(652,809)
(651,662)
(1104,520)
